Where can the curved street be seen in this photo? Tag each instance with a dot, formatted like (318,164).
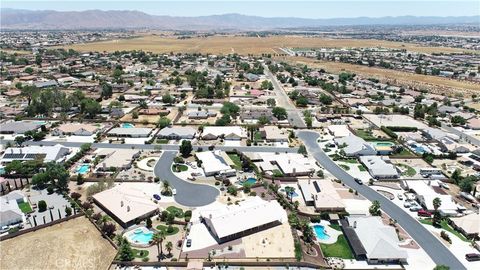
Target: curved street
(434,248)
(188,194)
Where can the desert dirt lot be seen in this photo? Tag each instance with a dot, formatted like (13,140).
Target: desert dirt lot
(242,45)
(437,85)
(74,244)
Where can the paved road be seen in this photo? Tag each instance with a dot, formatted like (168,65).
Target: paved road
(294,115)
(166,147)
(434,248)
(462,135)
(188,193)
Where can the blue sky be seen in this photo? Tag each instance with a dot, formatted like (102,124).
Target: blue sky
(269,8)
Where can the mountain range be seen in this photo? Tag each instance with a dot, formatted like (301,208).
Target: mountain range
(115,19)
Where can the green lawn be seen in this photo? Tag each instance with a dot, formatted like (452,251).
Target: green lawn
(444,225)
(277,173)
(336,227)
(140,253)
(365,134)
(339,249)
(236,160)
(404,153)
(162,141)
(25,207)
(361,168)
(257,136)
(176,211)
(409,172)
(345,167)
(179,167)
(163,228)
(350,160)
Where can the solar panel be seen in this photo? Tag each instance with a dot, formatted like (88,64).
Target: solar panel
(317,188)
(30,155)
(13,155)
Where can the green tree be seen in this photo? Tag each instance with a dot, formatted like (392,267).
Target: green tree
(158,239)
(163,122)
(375,208)
(325,99)
(271,102)
(107,91)
(186,148)
(280,113)
(437,202)
(90,107)
(125,252)
(169,247)
(230,108)
(42,206)
(302,150)
(168,99)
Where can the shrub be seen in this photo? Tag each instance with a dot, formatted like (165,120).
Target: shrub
(50,189)
(170,229)
(315,219)
(445,236)
(42,206)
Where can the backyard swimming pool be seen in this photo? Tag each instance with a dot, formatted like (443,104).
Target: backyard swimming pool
(83,169)
(419,149)
(250,181)
(383,144)
(293,194)
(128,125)
(320,232)
(140,236)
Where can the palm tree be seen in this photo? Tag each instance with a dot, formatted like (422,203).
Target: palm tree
(169,247)
(437,202)
(166,189)
(157,239)
(290,191)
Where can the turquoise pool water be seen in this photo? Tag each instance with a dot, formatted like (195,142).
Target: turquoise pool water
(320,232)
(83,169)
(128,125)
(2,171)
(250,181)
(419,149)
(384,143)
(294,194)
(140,237)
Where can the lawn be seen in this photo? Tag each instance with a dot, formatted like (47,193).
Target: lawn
(163,228)
(361,168)
(350,160)
(345,167)
(162,141)
(176,211)
(257,136)
(366,135)
(339,249)
(25,207)
(179,167)
(236,160)
(404,153)
(140,253)
(336,227)
(444,225)
(409,172)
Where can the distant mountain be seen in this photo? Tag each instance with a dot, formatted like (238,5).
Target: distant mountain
(98,19)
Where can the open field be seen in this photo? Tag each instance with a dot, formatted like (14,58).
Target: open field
(434,84)
(74,244)
(242,45)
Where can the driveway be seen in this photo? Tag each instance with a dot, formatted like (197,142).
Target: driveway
(434,248)
(188,193)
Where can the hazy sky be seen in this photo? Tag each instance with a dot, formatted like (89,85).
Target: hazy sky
(304,9)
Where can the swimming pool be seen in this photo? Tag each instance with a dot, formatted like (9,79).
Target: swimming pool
(390,144)
(293,194)
(250,181)
(83,169)
(128,125)
(320,232)
(140,236)
(2,170)
(419,149)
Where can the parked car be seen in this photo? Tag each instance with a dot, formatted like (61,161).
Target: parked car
(471,257)
(424,213)
(407,204)
(174,191)
(444,185)
(415,207)
(189,242)
(156,197)
(358,181)
(400,197)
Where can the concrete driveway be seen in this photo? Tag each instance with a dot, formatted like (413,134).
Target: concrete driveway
(188,193)
(434,248)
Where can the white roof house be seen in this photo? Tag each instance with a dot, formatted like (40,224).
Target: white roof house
(355,146)
(321,194)
(378,167)
(228,133)
(130,132)
(428,190)
(380,241)
(177,133)
(10,212)
(288,163)
(273,133)
(76,129)
(339,130)
(125,204)
(18,127)
(251,215)
(214,163)
(117,158)
(48,153)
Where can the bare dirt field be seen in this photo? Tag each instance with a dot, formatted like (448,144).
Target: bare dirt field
(434,84)
(74,244)
(243,45)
